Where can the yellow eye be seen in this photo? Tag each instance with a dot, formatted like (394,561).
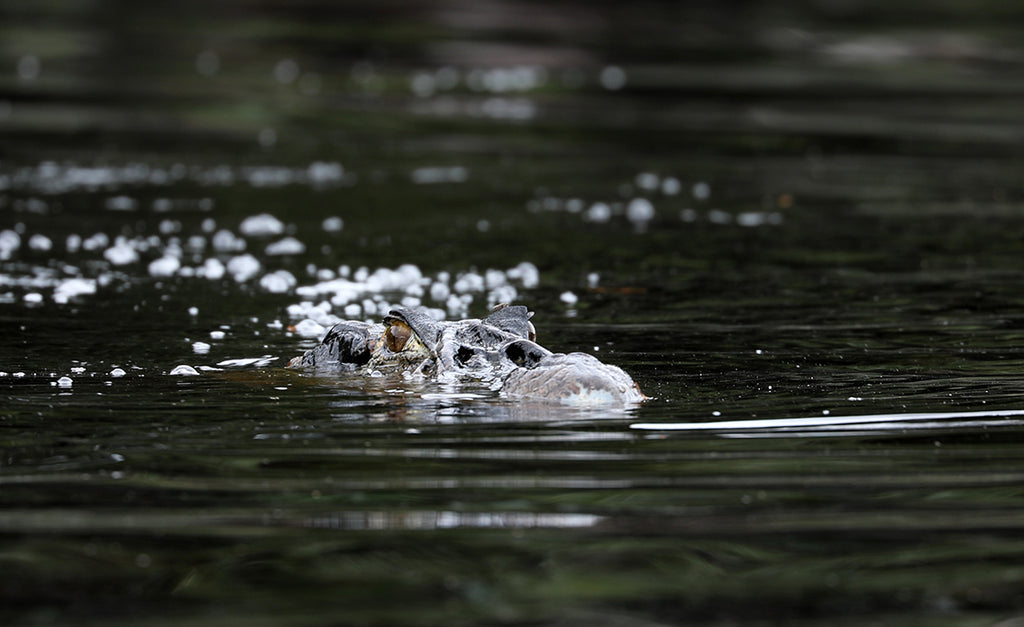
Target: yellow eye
(396,336)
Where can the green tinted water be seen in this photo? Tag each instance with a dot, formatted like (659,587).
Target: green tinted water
(834,252)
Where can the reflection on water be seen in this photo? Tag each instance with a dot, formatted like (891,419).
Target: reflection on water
(845,425)
(797,227)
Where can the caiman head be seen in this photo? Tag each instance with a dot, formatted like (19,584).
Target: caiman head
(499,349)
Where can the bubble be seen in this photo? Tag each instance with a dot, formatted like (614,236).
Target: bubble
(332,224)
(613,78)
(184,370)
(207,62)
(598,212)
(278,282)
(261,224)
(243,267)
(164,266)
(29,67)
(286,71)
(267,137)
(286,246)
(639,210)
(309,328)
(671,186)
(40,242)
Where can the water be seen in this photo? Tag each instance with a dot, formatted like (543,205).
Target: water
(797,227)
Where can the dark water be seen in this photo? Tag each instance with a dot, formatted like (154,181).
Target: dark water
(825,305)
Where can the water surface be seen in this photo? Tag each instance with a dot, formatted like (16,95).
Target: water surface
(797,227)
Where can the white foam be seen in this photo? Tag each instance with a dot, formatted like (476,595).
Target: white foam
(469,282)
(70,288)
(639,211)
(164,266)
(40,242)
(243,267)
(287,246)
(184,370)
(278,282)
(332,224)
(598,212)
(212,269)
(613,78)
(225,241)
(121,203)
(200,348)
(248,361)
(121,253)
(434,175)
(261,224)
(310,328)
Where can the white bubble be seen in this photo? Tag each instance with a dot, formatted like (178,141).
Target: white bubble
(671,186)
(648,181)
(267,137)
(29,67)
(200,348)
(243,267)
(40,242)
(527,274)
(286,71)
(613,78)
(164,266)
(193,311)
(309,328)
(639,210)
(121,253)
(278,282)
(568,298)
(286,246)
(118,373)
(71,288)
(64,382)
(207,62)
(717,216)
(439,291)
(226,241)
(701,190)
(332,224)
(121,203)
(261,224)
(423,84)
(184,370)
(598,212)
(212,269)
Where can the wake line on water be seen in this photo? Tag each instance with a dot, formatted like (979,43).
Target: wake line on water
(819,422)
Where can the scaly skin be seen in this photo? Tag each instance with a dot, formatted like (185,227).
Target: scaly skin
(499,348)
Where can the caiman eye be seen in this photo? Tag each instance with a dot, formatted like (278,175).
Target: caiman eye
(532,335)
(396,336)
